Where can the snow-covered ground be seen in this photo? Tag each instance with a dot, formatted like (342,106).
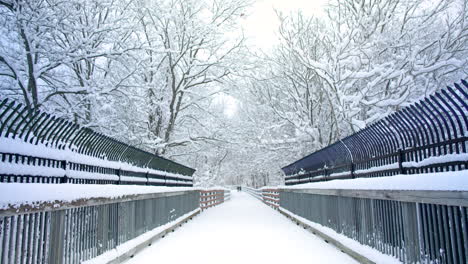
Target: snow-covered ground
(242,230)
(131,244)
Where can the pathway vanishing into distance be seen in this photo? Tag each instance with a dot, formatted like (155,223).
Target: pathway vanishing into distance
(242,230)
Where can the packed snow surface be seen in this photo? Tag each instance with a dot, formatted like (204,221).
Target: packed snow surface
(242,230)
(447,181)
(131,244)
(16,194)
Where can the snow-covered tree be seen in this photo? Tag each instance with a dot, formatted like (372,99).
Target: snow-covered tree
(51,51)
(331,76)
(188,55)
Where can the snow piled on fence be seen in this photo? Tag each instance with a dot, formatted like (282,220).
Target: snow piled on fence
(446,181)
(17,194)
(455,157)
(18,146)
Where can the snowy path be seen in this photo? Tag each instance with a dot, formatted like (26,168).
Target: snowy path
(242,230)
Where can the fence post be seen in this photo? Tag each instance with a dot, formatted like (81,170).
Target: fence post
(117,172)
(351,168)
(63,164)
(401,159)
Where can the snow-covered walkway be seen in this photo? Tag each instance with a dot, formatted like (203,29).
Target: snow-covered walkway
(242,230)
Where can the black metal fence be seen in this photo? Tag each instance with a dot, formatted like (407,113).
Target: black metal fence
(427,136)
(39,147)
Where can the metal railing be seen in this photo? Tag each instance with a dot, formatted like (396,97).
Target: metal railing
(39,147)
(81,230)
(257,193)
(427,136)
(413,226)
(269,196)
(227,195)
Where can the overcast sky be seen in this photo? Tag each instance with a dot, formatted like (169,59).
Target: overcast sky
(262,23)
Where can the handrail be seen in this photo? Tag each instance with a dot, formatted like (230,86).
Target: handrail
(254,192)
(57,205)
(450,198)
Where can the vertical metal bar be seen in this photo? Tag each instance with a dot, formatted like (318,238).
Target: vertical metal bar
(13,234)
(56,237)
(6,239)
(440,228)
(458,233)
(406,225)
(414,235)
(378,225)
(73,235)
(383,229)
(392,231)
(423,243)
(88,232)
(85,235)
(40,237)
(33,239)
(399,227)
(388,227)
(434,228)
(66,235)
(46,236)
(19,240)
(431,231)
(372,224)
(26,238)
(2,236)
(452,234)
(81,217)
(445,224)
(101,228)
(464,227)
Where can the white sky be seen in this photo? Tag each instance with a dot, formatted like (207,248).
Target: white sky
(260,27)
(228,103)
(261,23)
